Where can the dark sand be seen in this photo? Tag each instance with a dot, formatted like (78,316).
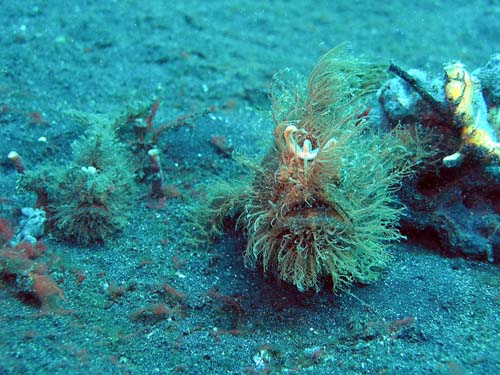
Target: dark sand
(427,315)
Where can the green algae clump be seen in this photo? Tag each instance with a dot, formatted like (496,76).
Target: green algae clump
(89,199)
(322,203)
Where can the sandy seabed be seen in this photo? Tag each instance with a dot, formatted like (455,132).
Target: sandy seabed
(428,314)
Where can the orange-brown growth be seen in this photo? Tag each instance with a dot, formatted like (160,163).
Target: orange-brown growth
(47,291)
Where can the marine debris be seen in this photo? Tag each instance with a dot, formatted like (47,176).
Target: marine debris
(453,200)
(464,108)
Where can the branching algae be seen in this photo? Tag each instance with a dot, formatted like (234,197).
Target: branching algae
(322,203)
